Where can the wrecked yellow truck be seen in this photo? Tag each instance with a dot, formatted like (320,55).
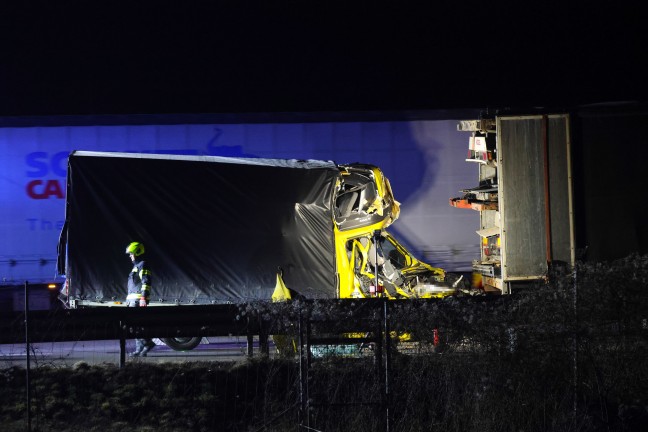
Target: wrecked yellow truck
(217,230)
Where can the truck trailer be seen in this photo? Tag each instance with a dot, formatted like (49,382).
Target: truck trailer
(524,196)
(219,230)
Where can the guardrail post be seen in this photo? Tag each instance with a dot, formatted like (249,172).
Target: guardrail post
(264,346)
(250,340)
(122,344)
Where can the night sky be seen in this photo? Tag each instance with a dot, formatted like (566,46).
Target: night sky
(229,57)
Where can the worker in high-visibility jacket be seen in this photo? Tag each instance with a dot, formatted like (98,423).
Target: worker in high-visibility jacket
(139,291)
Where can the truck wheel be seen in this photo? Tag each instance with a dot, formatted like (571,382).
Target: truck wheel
(182,343)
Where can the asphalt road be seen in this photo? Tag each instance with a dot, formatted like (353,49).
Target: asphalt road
(107,352)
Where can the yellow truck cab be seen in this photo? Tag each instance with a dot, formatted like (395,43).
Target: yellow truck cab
(364,207)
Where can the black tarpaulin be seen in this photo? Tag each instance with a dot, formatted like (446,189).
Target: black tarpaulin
(215,229)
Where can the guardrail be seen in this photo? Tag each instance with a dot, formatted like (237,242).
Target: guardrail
(113,323)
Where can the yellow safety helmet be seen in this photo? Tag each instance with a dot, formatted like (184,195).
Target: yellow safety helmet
(135,248)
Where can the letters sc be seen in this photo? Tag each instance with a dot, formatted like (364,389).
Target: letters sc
(41,165)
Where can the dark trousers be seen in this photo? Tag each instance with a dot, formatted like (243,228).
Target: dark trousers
(141,342)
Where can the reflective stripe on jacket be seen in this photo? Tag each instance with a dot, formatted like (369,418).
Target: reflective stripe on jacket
(139,281)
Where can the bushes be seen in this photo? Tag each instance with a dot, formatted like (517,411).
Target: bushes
(566,356)
(164,397)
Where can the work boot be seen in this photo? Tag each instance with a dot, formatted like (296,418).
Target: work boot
(139,347)
(147,347)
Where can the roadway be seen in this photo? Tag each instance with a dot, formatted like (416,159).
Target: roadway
(97,352)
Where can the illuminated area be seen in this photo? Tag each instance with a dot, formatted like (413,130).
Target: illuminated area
(34,163)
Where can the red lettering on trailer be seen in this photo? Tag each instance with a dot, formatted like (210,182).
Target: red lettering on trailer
(43,189)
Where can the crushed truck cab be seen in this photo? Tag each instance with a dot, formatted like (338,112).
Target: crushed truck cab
(366,251)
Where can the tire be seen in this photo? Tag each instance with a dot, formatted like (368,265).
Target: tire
(182,343)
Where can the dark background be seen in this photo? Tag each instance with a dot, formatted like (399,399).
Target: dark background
(236,57)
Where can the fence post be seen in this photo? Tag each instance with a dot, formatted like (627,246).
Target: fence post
(575,342)
(387,349)
(28,357)
(303,414)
